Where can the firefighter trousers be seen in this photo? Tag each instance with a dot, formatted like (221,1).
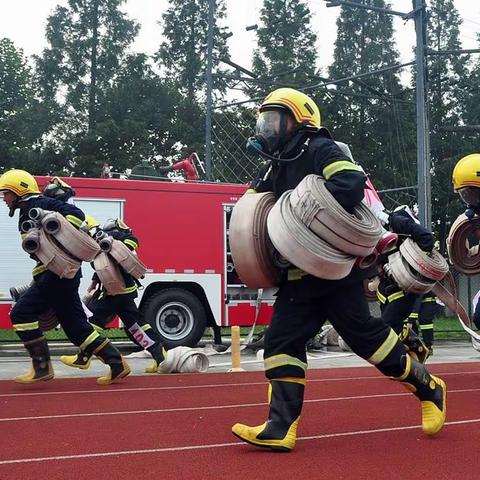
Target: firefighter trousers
(61,294)
(298,315)
(395,305)
(427,313)
(124,306)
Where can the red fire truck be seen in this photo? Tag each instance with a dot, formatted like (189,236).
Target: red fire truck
(191,282)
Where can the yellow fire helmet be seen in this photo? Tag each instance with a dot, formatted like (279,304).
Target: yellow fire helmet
(467,172)
(19,182)
(91,221)
(301,106)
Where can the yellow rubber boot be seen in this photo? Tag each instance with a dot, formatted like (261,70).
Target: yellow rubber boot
(41,369)
(119,368)
(430,390)
(158,354)
(115,374)
(279,432)
(81,360)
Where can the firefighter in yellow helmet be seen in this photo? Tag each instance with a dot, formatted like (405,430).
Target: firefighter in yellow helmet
(285,119)
(104,306)
(49,291)
(290,135)
(466,182)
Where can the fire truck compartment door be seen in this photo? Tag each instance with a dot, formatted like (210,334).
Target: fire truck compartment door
(15,265)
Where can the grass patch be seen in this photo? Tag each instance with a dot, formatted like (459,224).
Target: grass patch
(448,328)
(445,328)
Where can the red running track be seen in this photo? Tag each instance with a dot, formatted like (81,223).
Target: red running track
(355,425)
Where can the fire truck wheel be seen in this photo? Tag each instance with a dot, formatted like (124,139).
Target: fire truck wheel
(177,315)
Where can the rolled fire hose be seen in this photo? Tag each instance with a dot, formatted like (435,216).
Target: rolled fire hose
(127,259)
(104,241)
(368,261)
(184,360)
(343,345)
(387,241)
(432,266)
(253,253)
(298,244)
(405,276)
(37,242)
(464,259)
(108,273)
(356,234)
(414,270)
(76,242)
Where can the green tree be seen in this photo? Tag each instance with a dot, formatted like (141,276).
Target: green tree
(21,125)
(87,42)
(286,54)
(134,123)
(374,114)
(183,58)
(448,75)
(87,46)
(183,55)
(472,105)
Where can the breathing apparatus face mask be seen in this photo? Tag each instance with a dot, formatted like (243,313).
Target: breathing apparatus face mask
(271,133)
(470,196)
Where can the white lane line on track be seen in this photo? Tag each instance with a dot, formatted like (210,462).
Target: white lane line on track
(213,407)
(210,385)
(218,445)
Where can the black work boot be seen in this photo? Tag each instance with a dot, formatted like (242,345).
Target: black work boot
(41,365)
(279,432)
(158,354)
(430,390)
(108,354)
(81,360)
(413,344)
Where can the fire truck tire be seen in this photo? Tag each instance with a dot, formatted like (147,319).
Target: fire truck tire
(177,315)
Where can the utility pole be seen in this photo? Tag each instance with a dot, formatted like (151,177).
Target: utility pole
(423,132)
(209,80)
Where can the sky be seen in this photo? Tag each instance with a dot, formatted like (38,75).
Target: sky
(23,21)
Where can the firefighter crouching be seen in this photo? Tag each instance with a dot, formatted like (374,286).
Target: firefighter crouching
(20,191)
(395,304)
(289,134)
(104,306)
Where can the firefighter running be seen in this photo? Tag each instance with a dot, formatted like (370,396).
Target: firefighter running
(20,191)
(395,304)
(104,306)
(289,134)
(422,316)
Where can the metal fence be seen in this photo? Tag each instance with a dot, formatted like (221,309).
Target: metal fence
(231,126)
